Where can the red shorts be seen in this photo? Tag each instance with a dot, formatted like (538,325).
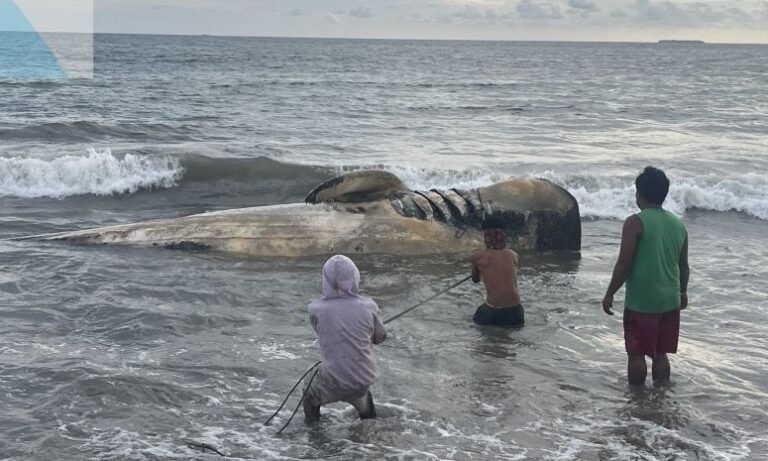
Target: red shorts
(651,334)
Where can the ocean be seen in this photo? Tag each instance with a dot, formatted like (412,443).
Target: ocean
(117,353)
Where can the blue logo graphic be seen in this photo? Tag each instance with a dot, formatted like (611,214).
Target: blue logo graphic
(23,52)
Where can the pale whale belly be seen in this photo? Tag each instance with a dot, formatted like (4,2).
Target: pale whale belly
(289,230)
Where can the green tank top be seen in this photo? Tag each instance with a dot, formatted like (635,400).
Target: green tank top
(653,284)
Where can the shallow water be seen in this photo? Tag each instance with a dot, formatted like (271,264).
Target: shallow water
(104,359)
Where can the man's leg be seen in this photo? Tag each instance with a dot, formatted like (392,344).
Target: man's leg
(481,315)
(364,406)
(312,402)
(311,412)
(514,316)
(640,333)
(669,334)
(660,369)
(637,370)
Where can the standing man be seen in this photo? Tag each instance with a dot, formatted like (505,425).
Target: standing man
(347,325)
(653,261)
(497,266)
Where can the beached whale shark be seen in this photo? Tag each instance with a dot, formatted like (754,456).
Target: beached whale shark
(365,212)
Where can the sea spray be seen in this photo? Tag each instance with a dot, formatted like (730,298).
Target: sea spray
(100,173)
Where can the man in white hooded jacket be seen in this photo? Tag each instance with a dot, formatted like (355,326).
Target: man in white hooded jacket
(347,326)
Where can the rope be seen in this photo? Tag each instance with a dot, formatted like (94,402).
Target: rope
(304,394)
(203,447)
(291,392)
(428,299)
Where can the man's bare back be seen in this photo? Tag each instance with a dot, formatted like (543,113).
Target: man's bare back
(498,271)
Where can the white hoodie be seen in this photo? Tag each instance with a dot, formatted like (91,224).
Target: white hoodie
(347,325)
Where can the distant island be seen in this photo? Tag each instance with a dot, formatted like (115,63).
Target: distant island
(700,42)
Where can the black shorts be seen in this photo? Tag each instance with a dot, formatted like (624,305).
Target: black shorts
(500,316)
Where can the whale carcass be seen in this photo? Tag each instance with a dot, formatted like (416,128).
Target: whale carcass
(365,212)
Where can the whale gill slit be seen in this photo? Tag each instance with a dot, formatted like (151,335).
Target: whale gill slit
(471,208)
(420,212)
(436,211)
(455,211)
(405,205)
(422,203)
(475,208)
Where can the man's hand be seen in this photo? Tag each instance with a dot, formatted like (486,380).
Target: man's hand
(683,300)
(608,304)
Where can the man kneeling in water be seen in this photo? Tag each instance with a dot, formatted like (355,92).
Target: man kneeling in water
(497,266)
(347,326)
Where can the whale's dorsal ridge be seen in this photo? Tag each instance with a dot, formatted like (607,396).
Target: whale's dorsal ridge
(356,186)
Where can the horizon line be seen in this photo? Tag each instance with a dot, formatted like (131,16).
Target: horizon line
(487,40)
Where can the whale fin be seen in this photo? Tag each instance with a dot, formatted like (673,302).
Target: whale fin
(358,186)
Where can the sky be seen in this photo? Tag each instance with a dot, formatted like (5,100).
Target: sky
(730,21)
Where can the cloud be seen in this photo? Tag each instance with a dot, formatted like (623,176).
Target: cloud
(619,14)
(296,12)
(468,13)
(690,14)
(528,9)
(360,12)
(333,19)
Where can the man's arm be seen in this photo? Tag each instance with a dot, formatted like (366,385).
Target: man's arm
(379,332)
(475,270)
(313,320)
(685,274)
(630,233)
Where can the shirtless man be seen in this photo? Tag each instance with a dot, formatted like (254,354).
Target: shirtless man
(497,266)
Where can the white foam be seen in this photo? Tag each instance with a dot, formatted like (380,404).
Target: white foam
(615,197)
(275,352)
(99,173)
(582,437)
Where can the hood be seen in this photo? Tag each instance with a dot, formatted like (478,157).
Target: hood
(341,279)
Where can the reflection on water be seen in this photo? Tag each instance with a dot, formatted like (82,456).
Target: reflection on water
(564,262)
(498,342)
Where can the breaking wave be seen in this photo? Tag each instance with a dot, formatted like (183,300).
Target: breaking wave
(615,197)
(606,197)
(99,173)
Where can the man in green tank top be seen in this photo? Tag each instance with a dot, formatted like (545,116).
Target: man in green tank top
(653,261)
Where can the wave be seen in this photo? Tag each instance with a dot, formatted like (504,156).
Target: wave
(614,198)
(82,131)
(599,197)
(99,173)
